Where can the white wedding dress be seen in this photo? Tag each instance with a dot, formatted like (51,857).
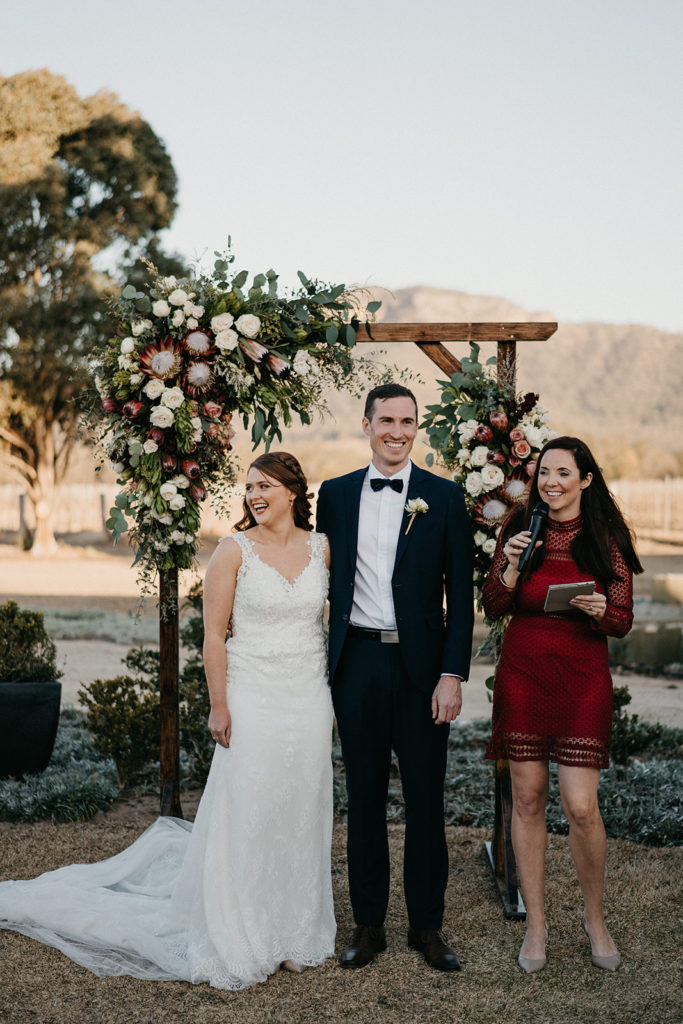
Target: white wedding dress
(227,899)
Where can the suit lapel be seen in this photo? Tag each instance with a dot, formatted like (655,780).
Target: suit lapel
(353,492)
(416,489)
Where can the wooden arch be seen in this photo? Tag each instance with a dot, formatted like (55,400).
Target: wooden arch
(430,338)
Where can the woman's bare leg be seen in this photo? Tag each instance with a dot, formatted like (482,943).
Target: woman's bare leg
(529,798)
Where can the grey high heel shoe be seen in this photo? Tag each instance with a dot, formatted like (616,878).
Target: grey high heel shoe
(531,964)
(607,963)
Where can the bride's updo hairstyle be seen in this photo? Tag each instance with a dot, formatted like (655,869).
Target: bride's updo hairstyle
(286,469)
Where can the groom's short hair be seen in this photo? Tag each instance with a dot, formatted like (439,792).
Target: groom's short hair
(383,391)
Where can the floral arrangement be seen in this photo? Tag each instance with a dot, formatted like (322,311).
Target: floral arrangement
(189,356)
(490,438)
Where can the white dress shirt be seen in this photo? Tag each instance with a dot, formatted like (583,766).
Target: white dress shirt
(379,522)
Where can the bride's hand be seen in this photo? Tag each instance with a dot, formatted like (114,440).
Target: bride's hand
(220,726)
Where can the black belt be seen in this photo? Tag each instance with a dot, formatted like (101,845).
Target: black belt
(381,636)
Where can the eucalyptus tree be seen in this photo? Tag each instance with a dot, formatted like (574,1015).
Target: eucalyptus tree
(85,188)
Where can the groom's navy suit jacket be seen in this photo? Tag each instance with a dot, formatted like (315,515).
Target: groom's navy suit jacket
(434,558)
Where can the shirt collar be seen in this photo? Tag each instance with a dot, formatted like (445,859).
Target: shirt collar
(404,474)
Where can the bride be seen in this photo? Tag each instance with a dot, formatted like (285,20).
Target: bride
(247,888)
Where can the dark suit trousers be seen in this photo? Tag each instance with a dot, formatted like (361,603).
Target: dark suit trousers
(377,708)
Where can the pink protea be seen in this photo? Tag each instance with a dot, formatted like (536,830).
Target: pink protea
(161,360)
(155,434)
(168,463)
(133,409)
(483,433)
(497,458)
(110,404)
(198,490)
(211,431)
(191,468)
(277,365)
(491,508)
(498,419)
(198,342)
(254,349)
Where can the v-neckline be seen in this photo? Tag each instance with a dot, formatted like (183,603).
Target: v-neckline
(285,579)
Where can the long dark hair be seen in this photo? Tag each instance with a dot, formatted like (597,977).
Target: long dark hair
(603,521)
(286,469)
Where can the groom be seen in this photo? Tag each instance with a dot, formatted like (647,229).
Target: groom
(396,665)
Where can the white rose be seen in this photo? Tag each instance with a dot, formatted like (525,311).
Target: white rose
(140,326)
(177,502)
(135,379)
(248,325)
(492,476)
(173,398)
(178,537)
(180,481)
(189,538)
(178,318)
(463,457)
(160,546)
(535,436)
(196,423)
(222,322)
(479,455)
(127,346)
(168,490)
(149,447)
(198,311)
(166,519)
(161,416)
(473,484)
(301,364)
(147,500)
(227,340)
(154,388)
(125,362)
(161,308)
(480,537)
(178,297)
(489,546)
(170,282)
(192,322)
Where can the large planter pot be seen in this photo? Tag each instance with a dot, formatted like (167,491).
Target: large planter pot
(29,715)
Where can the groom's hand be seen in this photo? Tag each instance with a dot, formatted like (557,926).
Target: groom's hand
(446,700)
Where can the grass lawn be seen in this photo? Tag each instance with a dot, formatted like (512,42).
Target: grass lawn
(40,986)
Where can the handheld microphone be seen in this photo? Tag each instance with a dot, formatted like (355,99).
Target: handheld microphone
(538,518)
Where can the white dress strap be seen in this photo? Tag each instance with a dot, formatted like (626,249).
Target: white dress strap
(318,542)
(248,553)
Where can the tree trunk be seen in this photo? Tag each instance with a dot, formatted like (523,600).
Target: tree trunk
(42,496)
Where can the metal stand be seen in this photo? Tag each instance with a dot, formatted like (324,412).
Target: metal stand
(499,850)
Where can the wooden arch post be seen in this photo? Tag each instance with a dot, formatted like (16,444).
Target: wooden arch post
(430,338)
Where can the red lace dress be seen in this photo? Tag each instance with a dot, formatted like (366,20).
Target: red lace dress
(552,698)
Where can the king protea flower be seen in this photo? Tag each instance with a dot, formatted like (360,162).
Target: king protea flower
(198,378)
(490,510)
(254,349)
(110,404)
(277,365)
(198,490)
(197,342)
(161,360)
(169,463)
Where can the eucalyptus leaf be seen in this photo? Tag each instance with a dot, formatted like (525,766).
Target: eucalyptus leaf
(349,336)
(129,292)
(374,305)
(240,278)
(302,277)
(259,281)
(331,334)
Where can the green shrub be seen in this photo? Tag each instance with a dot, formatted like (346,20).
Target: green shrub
(123,713)
(630,735)
(26,651)
(76,784)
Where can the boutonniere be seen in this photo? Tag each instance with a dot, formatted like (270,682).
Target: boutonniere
(415,507)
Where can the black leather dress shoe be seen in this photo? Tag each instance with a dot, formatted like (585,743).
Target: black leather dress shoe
(434,949)
(366,943)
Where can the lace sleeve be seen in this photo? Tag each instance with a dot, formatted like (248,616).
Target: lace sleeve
(618,617)
(497,599)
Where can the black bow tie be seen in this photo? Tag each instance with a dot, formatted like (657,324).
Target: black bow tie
(378,482)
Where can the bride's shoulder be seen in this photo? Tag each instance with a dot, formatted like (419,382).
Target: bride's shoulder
(229,549)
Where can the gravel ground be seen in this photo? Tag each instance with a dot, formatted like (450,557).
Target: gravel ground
(41,986)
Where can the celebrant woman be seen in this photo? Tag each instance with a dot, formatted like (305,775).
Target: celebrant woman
(247,888)
(552,698)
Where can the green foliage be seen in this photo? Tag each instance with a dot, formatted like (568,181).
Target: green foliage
(123,716)
(632,736)
(643,806)
(76,784)
(123,713)
(27,654)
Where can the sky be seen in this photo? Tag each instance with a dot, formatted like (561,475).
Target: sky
(527,149)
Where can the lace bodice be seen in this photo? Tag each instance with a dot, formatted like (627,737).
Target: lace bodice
(274,616)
